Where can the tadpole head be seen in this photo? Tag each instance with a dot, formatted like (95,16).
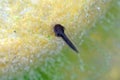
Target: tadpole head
(59,30)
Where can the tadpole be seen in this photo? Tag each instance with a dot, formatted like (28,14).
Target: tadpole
(59,32)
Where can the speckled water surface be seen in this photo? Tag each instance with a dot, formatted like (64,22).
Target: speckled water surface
(30,49)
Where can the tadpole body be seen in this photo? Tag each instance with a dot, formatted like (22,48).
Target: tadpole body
(59,32)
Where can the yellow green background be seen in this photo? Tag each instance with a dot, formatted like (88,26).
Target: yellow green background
(98,57)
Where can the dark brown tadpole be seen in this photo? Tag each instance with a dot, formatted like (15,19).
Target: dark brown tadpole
(59,32)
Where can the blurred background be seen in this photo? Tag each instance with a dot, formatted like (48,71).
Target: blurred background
(98,57)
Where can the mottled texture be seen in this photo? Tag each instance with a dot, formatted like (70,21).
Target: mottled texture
(29,48)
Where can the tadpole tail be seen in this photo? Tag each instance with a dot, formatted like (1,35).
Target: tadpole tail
(70,44)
